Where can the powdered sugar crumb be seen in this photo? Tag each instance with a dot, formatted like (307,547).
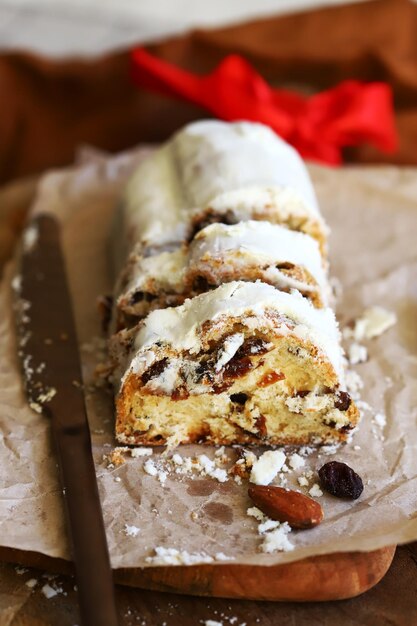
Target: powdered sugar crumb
(138,452)
(31,583)
(131,531)
(315,491)
(172,556)
(274,533)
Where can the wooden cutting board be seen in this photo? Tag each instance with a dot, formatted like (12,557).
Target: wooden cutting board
(328,577)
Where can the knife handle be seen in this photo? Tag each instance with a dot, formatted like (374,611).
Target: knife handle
(89,546)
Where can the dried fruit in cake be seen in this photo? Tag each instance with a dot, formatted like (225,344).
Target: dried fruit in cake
(218,254)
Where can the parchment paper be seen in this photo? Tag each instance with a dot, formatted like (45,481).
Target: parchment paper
(373,216)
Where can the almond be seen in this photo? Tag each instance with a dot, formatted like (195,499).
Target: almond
(284,505)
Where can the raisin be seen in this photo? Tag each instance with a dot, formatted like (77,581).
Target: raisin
(343,401)
(212,218)
(154,371)
(136,297)
(140,296)
(240,398)
(237,367)
(205,370)
(201,284)
(253,345)
(285,266)
(302,393)
(340,480)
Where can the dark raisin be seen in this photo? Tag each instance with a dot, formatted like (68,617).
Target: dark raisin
(136,297)
(201,284)
(237,367)
(205,370)
(154,371)
(285,266)
(302,393)
(211,217)
(343,401)
(253,345)
(340,480)
(240,398)
(200,224)
(140,296)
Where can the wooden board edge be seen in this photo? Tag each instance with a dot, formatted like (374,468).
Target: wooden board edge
(337,576)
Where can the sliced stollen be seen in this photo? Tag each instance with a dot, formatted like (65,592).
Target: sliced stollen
(259,250)
(219,254)
(213,171)
(149,282)
(244,363)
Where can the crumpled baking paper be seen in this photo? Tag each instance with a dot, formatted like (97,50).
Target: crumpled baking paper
(373,216)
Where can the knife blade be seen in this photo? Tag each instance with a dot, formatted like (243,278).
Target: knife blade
(48,350)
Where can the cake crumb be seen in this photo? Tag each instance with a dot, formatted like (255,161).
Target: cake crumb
(277,540)
(35,406)
(296,461)
(49,592)
(253,511)
(131,531)
(116,458)
(357,353)
(138,452)
(380,420)
(267,467)
(221,556)
(354,384)
(31,583)
(315,491)
(373,322)
(150,468)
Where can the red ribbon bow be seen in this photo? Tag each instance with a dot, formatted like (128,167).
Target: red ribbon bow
(318,126)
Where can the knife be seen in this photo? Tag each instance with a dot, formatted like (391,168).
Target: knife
(48,350)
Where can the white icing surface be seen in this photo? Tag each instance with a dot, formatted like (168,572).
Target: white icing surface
(153,202)
(180,326)
(245,244)
(222,157)
(240,166)
(164,271)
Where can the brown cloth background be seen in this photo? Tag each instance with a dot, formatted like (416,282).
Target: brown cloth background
(49,107)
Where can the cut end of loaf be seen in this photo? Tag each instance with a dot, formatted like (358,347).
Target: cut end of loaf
(263,386)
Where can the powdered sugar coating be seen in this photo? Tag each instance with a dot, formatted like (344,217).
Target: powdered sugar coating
(181,326)
(212,165)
